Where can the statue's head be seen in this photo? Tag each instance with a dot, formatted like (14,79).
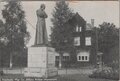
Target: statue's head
(42,6)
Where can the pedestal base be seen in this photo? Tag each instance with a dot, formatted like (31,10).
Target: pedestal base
(41,62)
(40,72)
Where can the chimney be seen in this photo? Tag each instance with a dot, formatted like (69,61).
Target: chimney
(92,22)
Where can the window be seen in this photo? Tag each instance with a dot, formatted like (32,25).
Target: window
(77,41)
(78,29)
(88,41)
(65,58)
(79,57)
(83,58)
(57,58)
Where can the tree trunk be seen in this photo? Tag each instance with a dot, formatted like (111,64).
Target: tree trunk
(11,64)
(60,60)
(1,59)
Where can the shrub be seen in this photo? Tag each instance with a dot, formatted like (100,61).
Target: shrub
(106,74)
(1,73)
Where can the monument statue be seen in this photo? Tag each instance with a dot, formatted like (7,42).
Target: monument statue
(41,57)
(41,32)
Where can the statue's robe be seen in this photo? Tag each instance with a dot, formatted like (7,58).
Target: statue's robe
(41,32)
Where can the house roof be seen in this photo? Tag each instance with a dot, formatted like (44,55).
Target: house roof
(77,19)
(88,26)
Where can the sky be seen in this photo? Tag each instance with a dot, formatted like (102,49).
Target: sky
(101,11)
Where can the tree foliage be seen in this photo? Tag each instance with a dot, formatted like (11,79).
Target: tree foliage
(1,26)
(13,33)
(108,36)
(108,39)
(61,38)
(15,25)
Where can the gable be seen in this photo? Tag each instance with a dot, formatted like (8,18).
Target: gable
(77,20)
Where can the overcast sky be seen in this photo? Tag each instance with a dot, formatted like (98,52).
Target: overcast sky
(101,11)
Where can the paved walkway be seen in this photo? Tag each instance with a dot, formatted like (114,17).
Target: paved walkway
(75,71)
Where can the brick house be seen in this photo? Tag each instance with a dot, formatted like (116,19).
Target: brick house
(82,40)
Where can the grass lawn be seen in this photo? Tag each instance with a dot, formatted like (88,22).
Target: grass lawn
(72,77)
(79,77)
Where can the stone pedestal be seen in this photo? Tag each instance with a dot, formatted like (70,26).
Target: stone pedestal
(41,62)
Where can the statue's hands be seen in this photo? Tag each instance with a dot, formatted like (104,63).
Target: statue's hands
(45,15)
(42,14)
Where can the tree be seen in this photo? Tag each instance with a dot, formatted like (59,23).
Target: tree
(15,27)
(107,39)
(1,27)
(1,44)
(61,37)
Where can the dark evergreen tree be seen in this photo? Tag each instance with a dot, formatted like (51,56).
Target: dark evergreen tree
(15,27)
(61,37)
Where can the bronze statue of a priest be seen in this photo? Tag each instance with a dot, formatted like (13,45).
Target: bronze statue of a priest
(41,32)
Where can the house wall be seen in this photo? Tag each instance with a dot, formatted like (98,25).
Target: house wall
(79,35)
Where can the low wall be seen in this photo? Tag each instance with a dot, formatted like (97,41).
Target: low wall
(13,70)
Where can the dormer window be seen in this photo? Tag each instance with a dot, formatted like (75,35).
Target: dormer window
(78,29)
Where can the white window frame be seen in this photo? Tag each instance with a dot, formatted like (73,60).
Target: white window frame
(77,41)
(79,58)
(88,41)
(78,29)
